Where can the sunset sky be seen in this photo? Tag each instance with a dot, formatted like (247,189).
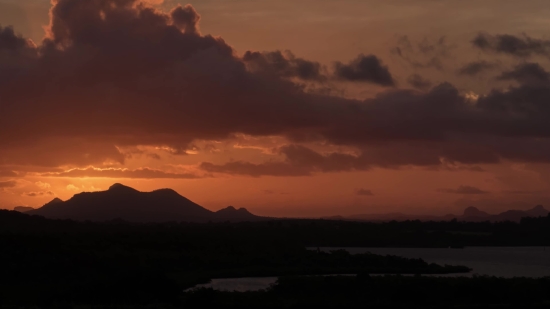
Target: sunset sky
(286,107)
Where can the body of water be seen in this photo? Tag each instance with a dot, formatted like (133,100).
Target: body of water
(239,284)
(504,262)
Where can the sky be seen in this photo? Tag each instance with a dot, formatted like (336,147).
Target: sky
(297,108)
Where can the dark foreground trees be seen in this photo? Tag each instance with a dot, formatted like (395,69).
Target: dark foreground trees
(56,263)
(364,291)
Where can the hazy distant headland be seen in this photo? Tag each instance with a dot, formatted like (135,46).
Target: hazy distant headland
(471,214)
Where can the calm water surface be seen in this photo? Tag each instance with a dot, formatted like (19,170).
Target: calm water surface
(505,262)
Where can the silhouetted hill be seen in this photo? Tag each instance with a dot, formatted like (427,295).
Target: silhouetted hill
(23,208)
(538,211)
(470,214)
(231,212)
(474,212)
(124,203)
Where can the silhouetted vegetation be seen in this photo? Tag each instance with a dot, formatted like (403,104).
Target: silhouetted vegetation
(54,262)
(47,261)
(364,291)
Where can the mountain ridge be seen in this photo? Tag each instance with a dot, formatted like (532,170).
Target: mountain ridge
(470,214)
(121,202)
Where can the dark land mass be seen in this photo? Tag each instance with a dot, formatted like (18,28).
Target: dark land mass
(364,291)
(53,262)
(124,203)
(471,214)
(67,263)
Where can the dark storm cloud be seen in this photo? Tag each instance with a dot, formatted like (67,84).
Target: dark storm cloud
(419,82)
(517,46)
(284,64)
(527,73)
(113,74)
(364,192)
(15,53)
(522,111)
(476,67)
(9,41)
(141,173)
(186,18)
(365,69)
(463,190)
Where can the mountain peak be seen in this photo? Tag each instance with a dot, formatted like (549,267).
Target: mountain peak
(537,211)
(232,211)
(119,186)
(56,200)
(474,212)
(167,191)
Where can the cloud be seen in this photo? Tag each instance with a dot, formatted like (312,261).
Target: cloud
(364,192)
(527,73)
(186,19)
(271,192)
(424,54)
(7,173)
(365,69)
(38,194)
(43,185)
(71,187)
(464,190)
(476,67)
(517,46)
(15,53)
(153,156)
(141,173)
(256,170)
(112,74)
(284,65)
(419,82)
(299,161)
(12,42)
(523,192)
(8,184)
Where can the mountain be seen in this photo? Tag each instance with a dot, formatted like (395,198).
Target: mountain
(23,208)
(124,203)
(470,214)
(231,213)
(538,211)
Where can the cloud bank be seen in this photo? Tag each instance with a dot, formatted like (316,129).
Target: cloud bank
(116,73)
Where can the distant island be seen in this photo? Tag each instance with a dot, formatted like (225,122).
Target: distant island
(121,202)
(470,214)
